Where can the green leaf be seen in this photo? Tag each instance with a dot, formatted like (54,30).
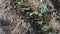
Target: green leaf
(51,33)
(40,22)
(19,3)
(31,14)
(40,14)
(36,12)
(45,28)
(26,8)
(44,8)
(26,4)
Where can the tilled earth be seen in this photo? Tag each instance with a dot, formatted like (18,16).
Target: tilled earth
(14,20)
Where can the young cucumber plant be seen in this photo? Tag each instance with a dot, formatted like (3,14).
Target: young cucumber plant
(44,10)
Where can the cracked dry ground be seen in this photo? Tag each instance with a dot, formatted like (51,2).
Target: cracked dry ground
(13,21)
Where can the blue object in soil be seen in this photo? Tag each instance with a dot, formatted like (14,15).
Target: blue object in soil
(44,8)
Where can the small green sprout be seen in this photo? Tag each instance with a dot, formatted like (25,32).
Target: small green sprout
(51,33)
(45,28)
(40,22)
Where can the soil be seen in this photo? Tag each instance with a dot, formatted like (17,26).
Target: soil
(13,19)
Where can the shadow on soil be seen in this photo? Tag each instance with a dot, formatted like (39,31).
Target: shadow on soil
(56,4)
(5,26)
